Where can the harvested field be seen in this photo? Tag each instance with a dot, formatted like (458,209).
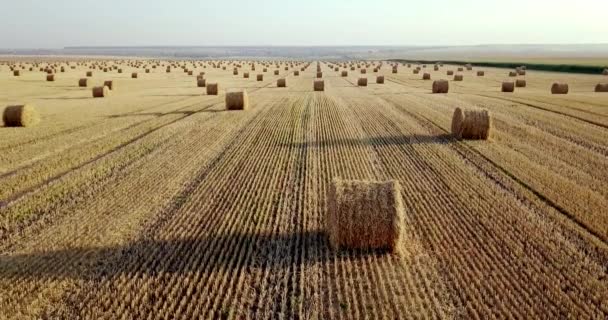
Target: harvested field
(158,203)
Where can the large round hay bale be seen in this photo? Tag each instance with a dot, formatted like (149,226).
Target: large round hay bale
(471,124)
(426,76)
(601,87)
(147,70)
(512,74)
(450,72)
(20,116)
(441,86)
(237,100)
(436,68)
(201,82)
(89,73)
(119,70)
(458,77)
(281,83)
(521,72)
(363,71)
(260,77)
(276,72)
(365,215)
(559,88)
(380,79)
(362,82)
(246,75)
(101,92)
(134,75)
(16,73)
(520,83)
(395,70)
(319,85)
(344,73)
(110,84)
(235,72)
(319,75)
(416,71)
(508,86)
(296,73)
(213,89)
(50,77)
(83,82)
(460,69)
(481,73)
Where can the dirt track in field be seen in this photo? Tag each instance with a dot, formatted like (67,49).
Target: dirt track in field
(156,203)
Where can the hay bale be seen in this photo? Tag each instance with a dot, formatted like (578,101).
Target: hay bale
(460,69)
(147,70)
(395,70)
(89,73)
(601,87)
(520,83)
(237,100)
(282,83)
(83,82)
(365,215)
(521,72)
(471,124)
(296,73)
(50,77)
(319,75)
(101,92)
(380,79)
(16,73)
(458,77)
(235,72)
(212,89)
(441,86)
(319,85)
(119,70)
(201,82)
(20,116)
(481,73)
(110,84)
(512,74)
(362,82)
(260,77)
(450,73)
(416,71)
(134,75)
(559,88)
(246,75)
(363,71)
(276,72)
(426,76)
(508,86)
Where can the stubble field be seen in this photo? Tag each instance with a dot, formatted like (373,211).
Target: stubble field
(156,203)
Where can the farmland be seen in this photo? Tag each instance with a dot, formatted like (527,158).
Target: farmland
(156,203)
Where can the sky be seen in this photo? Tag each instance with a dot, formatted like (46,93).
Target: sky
(31,24)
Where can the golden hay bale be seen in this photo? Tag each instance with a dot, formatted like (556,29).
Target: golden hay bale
(441,86)
(460,69)
(512,74)
(363,71)
(246,75)
(134,75)
(282,83)
(481,73)
(559,88)
(471,124)
(119,70)
(380,79)
(436,68)
(319,85)
(296,73)
(416,71)
(16,73)
(237,100)
(235,72)
(260,77)
(147,70)
(426,76)
(344,73)
(201,82)
(365,215)
(450,72)
(319,75)
(276,72)
(395,70)
(50,77)
(520,83)
(100,92)
(110,84)
(352,68)
(212,89)
(521,72)
(601,87)
(458,77)
(83,82)
(362,82)
(89,73)
(20,116)
(508,86)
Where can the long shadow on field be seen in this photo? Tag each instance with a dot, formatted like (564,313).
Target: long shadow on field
(155,114)
(226,253)
(375,141)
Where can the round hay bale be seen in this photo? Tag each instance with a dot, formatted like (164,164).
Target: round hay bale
(512,74)
(471,124)
(147,70)
(344,73)
(362,82)
(426,76)
(521,72)
(508,86)
(110,84)
(450,73)
(119,70)
(213,89)
(436,68)
(395,70)
(260,77)
(460,69)
(201,82)
(416,71)
(83,82)
(134,75)
(481,73)
(559,88)
(89,73)
(363,71)
(282,83)
(319,75)
(101,92)
(601,87)
(319,85)
(50,77)
(235,72)
(246,75)
(296,73)
(276,72)
(380,79)
(20,116)
(441,86)
(16,73)
(520,83)
(458,77)
(237,100)
(352,68)
(365,215)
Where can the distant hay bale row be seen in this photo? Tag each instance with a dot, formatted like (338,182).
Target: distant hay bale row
(471,124)
(441,86)
(365,215)
(237,100)
(20,116)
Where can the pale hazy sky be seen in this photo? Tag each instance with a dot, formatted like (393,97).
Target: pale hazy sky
(55,24)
